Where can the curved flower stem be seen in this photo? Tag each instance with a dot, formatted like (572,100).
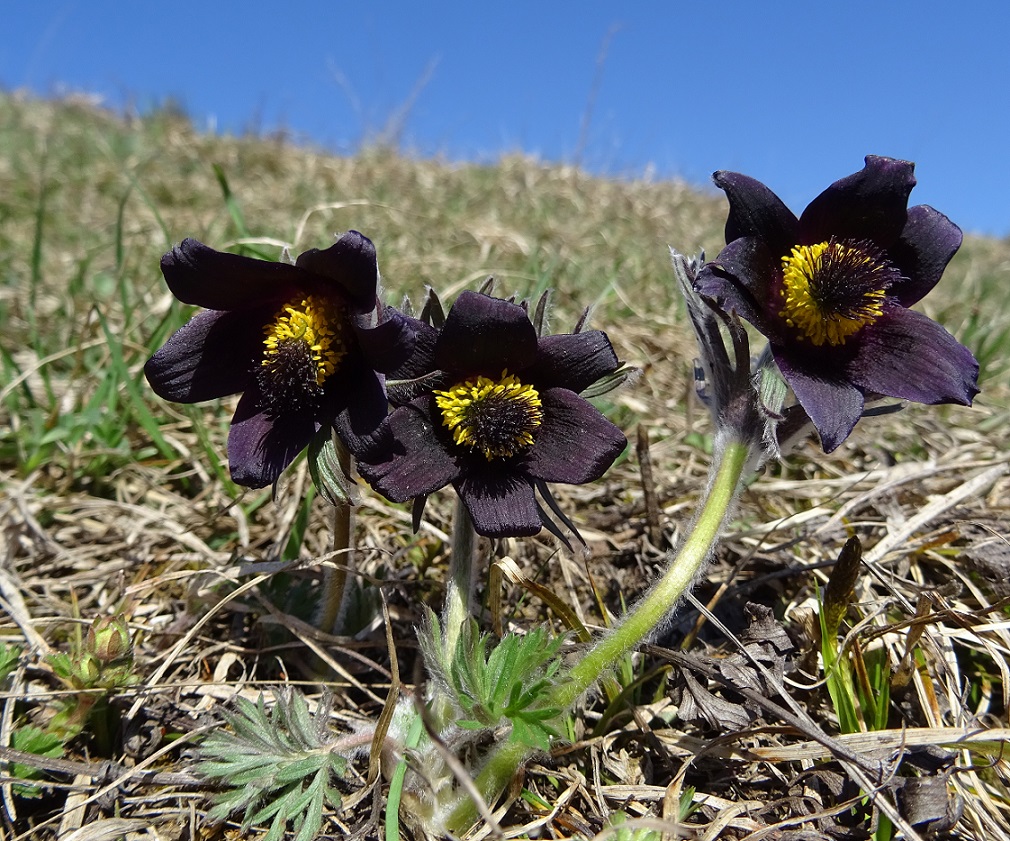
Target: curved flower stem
(678,577)
(504,760)
(460,589)
(330,613)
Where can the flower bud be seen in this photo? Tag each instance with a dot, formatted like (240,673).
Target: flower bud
(86,671)
(109,639)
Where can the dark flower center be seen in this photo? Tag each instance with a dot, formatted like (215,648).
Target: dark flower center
(831,290)
(303,346)
(495,417)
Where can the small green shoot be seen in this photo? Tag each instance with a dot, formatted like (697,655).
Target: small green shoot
(508,685)
(9,656)
(835,602)
(96,666)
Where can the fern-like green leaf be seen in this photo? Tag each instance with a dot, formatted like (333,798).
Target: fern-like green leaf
(508,684)
(276,765)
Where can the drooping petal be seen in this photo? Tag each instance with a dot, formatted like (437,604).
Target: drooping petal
(922,252)
(905,354)
(261,446)
(485,335)
(740,280)
(573,360)
(362,397)
(870,204)
(407,458)
(350,263)
(216,280)
(390,343)
(501,504)
(421,360)
(576,444)
(834,405)
(210,356)
(755,211)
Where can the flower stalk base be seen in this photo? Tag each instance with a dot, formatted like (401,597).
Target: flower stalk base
(333,604)
(458,606)
(727,474)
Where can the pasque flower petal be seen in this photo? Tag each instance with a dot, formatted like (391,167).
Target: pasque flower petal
(261,445)
(409,458)
(740,280)
(755,211)
(500,505)
(922,252)
(907,355)
(867,205)
(390,343)
(216,280)
(574,360)
(210,356)
(487,335)
(361,394)
(833,405)
(578,445)
(350,263)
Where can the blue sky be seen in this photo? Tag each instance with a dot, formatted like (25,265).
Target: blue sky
(792,93)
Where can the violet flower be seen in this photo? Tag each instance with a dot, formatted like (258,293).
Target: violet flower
(831,291)
(499,416)
(299,342)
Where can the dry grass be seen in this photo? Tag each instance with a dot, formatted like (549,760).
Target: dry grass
(99,517)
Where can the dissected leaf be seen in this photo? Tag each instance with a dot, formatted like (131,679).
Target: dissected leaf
(276,763)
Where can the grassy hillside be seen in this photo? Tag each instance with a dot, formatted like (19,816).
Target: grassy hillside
(113,501)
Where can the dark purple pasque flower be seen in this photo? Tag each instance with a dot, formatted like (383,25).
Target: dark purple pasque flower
(302,343)
(499,417)
(831,290)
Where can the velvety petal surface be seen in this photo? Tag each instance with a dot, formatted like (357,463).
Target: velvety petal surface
(210,356)
(925,247)
(421,360)
(574,360)
(905,354)
(869,204)
(485,335)
(260,447)
(216,280)
(576,444)
(500,504)
(409,459)
(834,405)
(390,343)
(755,211)
(350,263)
(362,395)
(739,279)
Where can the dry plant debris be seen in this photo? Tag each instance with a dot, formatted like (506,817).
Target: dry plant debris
(726,728)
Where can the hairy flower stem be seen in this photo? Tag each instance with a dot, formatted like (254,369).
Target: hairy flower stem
(458,606)
(330,614)
(727,472)
(678,577)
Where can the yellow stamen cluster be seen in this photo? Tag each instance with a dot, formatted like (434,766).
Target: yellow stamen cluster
(831,290)
(314,324)
(494,417)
